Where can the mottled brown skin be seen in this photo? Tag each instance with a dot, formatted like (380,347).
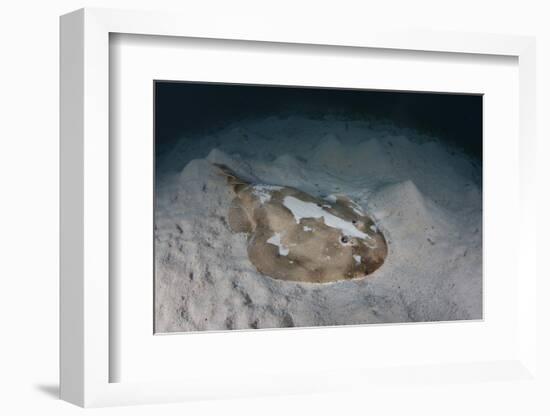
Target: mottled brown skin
(317,253)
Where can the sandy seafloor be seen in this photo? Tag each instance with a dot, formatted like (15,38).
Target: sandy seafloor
(423,194)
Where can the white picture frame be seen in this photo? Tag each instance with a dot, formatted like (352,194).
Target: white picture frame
(86,356)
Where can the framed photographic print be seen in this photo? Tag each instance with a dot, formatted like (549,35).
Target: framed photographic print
(297,207)
(312,203)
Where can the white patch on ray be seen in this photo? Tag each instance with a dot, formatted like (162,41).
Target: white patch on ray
(301,209)
(276,241)
(356,208)
(263,192)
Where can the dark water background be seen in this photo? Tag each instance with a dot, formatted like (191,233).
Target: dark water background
(184,109)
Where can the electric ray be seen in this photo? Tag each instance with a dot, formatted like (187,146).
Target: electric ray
(295,236)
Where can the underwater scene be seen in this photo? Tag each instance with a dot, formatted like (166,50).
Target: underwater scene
(281,206)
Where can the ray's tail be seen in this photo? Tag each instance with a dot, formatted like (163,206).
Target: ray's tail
(236,182)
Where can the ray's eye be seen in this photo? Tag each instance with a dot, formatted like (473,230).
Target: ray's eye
(354,222)
(344,239)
